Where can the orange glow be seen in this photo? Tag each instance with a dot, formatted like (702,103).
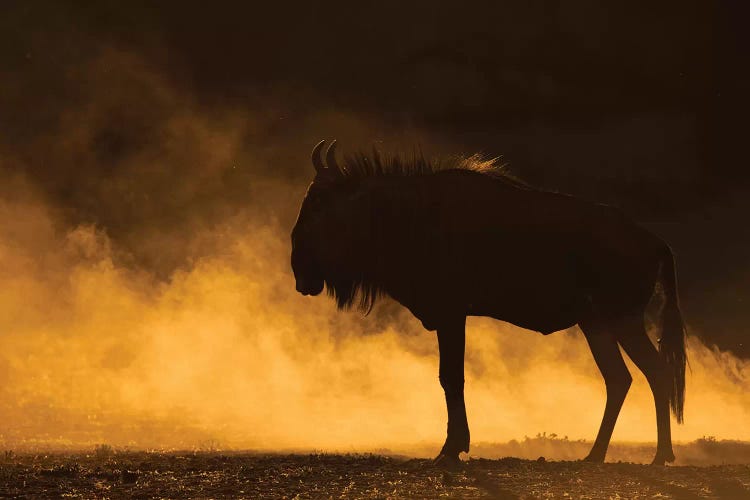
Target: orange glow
(96,349)
(226,352)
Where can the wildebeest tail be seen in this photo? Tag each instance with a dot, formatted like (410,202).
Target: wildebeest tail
(672,342)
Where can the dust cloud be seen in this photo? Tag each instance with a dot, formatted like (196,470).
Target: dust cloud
(148,301)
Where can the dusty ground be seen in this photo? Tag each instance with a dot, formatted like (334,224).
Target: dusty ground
(237,475)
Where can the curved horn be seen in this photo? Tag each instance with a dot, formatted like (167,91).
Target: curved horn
(331,159)
(316,160)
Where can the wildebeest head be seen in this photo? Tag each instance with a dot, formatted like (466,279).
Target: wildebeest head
(315,235)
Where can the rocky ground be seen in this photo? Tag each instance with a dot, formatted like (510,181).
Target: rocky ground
(105,474)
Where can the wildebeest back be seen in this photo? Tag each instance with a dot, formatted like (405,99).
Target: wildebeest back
(536,259)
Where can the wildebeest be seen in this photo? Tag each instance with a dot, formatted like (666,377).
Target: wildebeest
(470,240)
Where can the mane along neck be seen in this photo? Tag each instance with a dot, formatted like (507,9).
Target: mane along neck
(392,231)
(362,165)
(388,215)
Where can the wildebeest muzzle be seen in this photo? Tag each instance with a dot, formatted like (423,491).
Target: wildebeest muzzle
(307,286)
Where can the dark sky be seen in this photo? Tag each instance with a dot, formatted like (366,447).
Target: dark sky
(637,104)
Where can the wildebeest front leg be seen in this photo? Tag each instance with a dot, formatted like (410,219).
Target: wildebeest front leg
(451,340)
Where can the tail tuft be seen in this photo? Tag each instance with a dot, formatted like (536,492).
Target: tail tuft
(672,343)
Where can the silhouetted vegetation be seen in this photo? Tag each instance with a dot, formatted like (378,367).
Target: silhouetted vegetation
(701,452)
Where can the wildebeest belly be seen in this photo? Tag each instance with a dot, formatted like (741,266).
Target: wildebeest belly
(542,314)
(539,290)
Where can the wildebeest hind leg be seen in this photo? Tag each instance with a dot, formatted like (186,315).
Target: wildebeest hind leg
(451,340)
(638,346)
(601,340)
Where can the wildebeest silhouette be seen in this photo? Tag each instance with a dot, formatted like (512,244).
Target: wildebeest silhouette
(467,239)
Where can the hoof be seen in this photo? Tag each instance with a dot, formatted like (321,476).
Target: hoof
(595,458)
(662,459)
(454,447)
(447,461)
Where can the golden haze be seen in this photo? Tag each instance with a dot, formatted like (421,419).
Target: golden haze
(95,347)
